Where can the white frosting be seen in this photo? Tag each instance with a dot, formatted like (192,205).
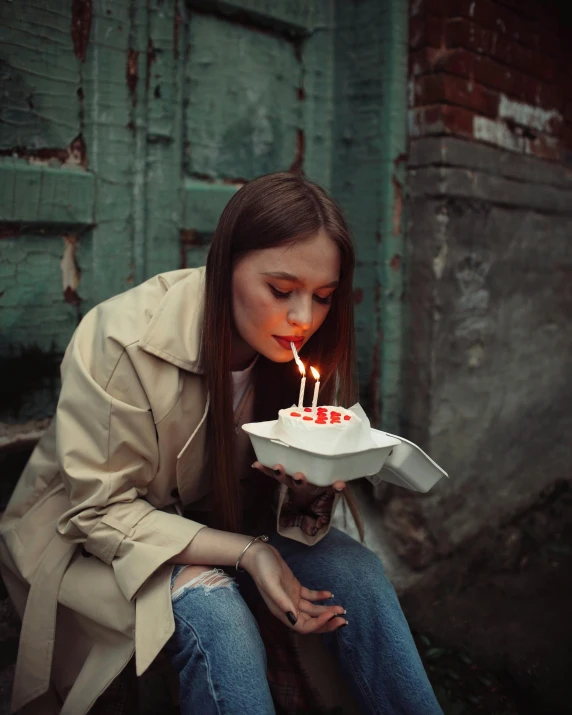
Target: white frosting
(330,427)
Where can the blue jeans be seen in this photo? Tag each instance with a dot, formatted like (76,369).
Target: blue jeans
(220,657)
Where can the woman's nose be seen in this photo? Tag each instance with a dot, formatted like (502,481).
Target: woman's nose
(301,315)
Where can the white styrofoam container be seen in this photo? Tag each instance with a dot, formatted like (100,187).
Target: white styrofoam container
(408,466)
(320,469)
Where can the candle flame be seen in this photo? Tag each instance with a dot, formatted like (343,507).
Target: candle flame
(301,367)
(315,373)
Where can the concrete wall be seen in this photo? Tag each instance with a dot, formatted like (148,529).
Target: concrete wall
(488,379)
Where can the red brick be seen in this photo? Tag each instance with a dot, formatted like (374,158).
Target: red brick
(531,8)
(426,60)
(458,120)
(499,18)
(462,33)
(444,119)
(426,32)
(438,88)
(446,8)
(420,62)
(459,62)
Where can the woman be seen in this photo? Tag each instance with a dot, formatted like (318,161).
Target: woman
(143,484)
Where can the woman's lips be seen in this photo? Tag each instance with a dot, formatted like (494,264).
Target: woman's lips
(285,342)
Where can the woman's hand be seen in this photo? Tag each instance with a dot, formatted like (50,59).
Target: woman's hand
(302,491)
(284,595)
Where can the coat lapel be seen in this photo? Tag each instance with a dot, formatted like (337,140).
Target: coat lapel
(174,332)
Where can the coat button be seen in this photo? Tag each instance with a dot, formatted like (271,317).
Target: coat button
(175,493)
(85,552)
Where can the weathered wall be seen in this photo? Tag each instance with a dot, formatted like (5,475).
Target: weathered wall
(488,384)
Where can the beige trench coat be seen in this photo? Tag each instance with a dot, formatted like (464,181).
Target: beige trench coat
(124,452)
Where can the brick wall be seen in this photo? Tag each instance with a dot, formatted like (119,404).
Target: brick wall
(495,71)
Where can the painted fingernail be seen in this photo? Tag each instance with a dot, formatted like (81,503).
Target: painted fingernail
(340,490)
(344,624)
(331,595)
(276,472)
(291,617)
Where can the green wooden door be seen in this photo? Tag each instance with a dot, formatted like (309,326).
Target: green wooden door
(126,125)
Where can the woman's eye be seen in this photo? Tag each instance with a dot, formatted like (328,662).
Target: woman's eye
(278,294)
(324,301)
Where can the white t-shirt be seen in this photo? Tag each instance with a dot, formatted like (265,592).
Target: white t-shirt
(240,381)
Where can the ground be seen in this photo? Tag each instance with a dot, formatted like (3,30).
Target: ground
(492,624)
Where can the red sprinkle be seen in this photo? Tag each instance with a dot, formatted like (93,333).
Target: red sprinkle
(321,422)
(307,409)
(335,414)
(347,417)
(295,414)
(309,419)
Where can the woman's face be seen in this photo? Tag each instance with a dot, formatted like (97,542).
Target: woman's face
(282,295)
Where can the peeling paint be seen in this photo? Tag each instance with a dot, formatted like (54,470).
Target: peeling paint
(178,21)
(527,115)
(151,59)
(395,262)
(132,76)
(81,26)
(508,135)
(397,206)
(518,126)
(70,270)
(73,155)
(440,259)
(298,163)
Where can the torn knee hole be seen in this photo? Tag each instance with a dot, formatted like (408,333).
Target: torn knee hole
(210,579)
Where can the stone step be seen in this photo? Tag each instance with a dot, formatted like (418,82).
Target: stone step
(22,435)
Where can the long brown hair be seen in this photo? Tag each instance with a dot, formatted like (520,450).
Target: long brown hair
(273,210)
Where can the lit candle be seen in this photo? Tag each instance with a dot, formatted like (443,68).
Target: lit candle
(303,372)
(316,375)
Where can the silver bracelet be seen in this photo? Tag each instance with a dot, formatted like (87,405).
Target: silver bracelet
(256,538)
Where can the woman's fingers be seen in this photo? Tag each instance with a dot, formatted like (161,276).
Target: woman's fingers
(277,472)
(332,625)
(315,624)
(298,480)
(310,595)
(338,485)
(312,610)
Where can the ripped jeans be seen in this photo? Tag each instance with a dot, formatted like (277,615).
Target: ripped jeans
(219,655)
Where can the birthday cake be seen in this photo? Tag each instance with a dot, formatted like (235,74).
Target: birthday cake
(319,429)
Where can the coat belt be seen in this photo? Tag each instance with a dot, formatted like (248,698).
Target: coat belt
(34,661)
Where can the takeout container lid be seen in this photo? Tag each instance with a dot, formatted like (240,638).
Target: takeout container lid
(408,466)
(320,469)
(393,459)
